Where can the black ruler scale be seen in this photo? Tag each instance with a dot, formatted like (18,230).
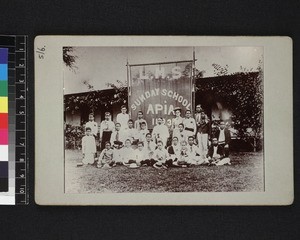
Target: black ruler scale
(21,111)
(17,94)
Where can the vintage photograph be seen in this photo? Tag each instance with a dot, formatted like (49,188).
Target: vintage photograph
(163,119)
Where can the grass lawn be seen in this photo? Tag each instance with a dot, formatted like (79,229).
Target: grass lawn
(244,175)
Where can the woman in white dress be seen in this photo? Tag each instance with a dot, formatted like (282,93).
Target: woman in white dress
(176,121)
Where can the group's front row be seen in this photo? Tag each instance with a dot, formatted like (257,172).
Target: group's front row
(148,153)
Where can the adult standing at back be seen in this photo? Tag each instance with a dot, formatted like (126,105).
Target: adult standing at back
(189,124)
(123,118)
(106,128)
(176,121)
(203,130)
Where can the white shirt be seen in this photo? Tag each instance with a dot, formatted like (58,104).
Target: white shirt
(117,155)
(142,135)
(190,123)
(221,136)
(160,155)
(149,148)
(131,133)
(215,151)
(123,118)
(117,136)
(182,136)
(138,155)
(93,126)
(137,123)
(88,144)
(162,131)
(107,126)
(193,150)
(176,121)
(127,154)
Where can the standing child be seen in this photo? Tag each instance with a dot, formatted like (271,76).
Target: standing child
(123,118)
(143,132)
(88,147)
(92,125)
(139,121)
(106,157)
(131,133)
(160,132)
(117,135)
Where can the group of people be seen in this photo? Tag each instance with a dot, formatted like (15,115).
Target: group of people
(188,141)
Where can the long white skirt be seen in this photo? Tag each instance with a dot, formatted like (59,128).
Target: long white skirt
(88,158)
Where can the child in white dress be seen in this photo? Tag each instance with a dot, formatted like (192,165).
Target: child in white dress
(88,147)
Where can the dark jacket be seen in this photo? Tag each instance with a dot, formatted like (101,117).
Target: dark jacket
(226,133)
(210,152)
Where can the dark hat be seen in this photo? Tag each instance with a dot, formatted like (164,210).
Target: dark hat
(118,143)
(159,165)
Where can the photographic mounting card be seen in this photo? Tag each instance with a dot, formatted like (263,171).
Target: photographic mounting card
(218,109)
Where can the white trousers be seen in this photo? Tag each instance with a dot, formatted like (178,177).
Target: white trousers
(202,139)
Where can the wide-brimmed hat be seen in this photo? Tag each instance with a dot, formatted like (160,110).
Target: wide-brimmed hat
(158,165)
(177,108)
(133,165)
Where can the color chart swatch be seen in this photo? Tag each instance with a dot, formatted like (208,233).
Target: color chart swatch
(3,119)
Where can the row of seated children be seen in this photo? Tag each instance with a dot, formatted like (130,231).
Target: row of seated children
(148,153)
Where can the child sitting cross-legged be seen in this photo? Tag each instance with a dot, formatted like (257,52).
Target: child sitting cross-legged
(183,160)
(127,152)
(117,153)
(105,159)
(149,148)
(174,152)
(137,157)
(160,155)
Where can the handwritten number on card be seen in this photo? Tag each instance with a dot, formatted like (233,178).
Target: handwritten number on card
(41,52)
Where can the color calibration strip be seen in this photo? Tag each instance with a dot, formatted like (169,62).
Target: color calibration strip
(14,165)
(3,120)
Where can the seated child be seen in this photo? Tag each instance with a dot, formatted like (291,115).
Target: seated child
(160,156)
(183,160)
(194,153)
(149,148)
(106,156)
(174,149)
(137,156)
(117,153)
(127,152)
(216,154)
(88,147)
(149,145)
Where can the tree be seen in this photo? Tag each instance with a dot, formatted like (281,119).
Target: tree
(69,58)
(240,92)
